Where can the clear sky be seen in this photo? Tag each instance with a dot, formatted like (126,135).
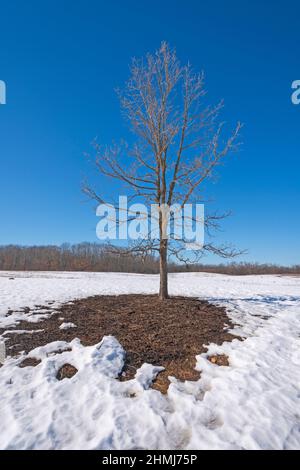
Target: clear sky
(62,60)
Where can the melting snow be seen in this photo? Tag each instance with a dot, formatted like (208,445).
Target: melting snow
(252,404)
(67,325)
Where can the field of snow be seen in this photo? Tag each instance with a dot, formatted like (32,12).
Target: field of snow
(252,404)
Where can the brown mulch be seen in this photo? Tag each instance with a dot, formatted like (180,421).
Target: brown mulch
(30,361)
(169,333)
(67,371)
(219,359)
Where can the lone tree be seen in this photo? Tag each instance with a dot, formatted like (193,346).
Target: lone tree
(178,142)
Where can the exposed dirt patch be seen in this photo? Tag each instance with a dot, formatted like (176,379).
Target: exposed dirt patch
(30,361)
(59,351)
(219,360)
(168,334)
(67,371)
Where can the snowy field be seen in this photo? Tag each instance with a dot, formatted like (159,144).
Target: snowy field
(252,404)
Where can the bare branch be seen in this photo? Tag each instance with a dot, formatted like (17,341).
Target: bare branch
(178,145)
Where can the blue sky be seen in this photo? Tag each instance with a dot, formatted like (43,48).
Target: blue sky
(62,60)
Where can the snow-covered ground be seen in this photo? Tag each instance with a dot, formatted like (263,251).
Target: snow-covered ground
(252,404)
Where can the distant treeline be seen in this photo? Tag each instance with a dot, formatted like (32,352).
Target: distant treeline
(96,257)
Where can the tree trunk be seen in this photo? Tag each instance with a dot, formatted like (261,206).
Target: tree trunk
(163,268)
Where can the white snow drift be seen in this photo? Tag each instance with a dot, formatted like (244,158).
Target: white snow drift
(252,404)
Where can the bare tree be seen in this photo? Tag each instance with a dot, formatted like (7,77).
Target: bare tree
(178,143)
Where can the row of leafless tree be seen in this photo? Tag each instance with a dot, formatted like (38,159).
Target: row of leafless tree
(96,257)
(240,269)
(67,257)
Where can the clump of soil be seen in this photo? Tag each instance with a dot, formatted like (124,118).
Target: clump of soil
(169,333)
(67,371)
(30,361)
(219,360)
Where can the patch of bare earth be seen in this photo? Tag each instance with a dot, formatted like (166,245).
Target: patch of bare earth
(30,362)
(169,333)
(67,371)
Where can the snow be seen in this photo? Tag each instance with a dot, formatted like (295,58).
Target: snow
(67,325)
(252,404)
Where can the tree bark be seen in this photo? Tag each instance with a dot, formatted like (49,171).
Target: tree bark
(163,268)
